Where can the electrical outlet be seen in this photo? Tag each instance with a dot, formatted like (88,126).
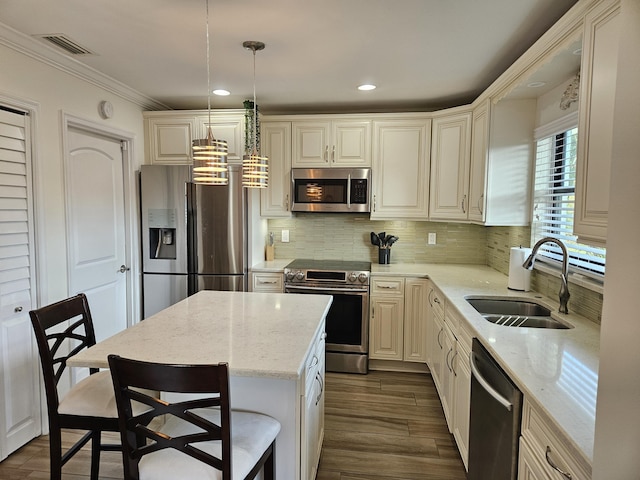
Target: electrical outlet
(285,236)
(432,239)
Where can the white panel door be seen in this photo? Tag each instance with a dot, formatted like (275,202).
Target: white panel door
(96,228)
(19,367)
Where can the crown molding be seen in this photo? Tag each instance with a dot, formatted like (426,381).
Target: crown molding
(42,53)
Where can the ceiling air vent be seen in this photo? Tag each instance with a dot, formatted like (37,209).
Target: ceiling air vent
(66,44)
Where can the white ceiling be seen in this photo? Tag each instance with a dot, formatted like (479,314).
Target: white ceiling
(422,54)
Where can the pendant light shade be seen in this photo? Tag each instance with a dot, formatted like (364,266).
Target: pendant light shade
(255,168)
(209,155)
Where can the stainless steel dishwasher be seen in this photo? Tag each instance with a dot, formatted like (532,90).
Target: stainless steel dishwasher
(494,425)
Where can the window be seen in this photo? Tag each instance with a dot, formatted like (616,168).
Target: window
(554,196)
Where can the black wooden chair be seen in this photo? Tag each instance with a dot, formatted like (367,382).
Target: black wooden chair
(201,437)
(90,404)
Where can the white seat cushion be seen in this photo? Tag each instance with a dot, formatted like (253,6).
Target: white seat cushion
(93,397)
(251,435)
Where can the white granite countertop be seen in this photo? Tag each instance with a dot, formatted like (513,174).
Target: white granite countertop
(259,334)
(273,266)
(557,369)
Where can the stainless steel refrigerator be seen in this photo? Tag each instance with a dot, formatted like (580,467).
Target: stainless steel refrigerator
(194,237)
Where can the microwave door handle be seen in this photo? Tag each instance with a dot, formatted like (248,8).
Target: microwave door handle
(349,191)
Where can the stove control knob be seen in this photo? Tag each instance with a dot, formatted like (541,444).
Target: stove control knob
(299,276)
(290,275)
(352,277)
(362,277)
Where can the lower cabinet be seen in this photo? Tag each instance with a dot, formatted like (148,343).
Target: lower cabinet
(544,452)
(312,405)
(449,350)
(398,322)
(267,282)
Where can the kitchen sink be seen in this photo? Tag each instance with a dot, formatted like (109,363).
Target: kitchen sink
(515,312)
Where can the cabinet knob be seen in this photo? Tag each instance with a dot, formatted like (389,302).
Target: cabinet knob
(17,309)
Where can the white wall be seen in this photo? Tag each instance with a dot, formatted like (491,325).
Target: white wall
(25,79)
(617,436)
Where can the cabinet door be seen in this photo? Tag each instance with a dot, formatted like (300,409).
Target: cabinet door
(168,139)
(461,400)
(415,320)
(225,127)
(528,466)
(311,144)
(450,158)
(351,144)
(479,152)
(267,282)
(385,335)
(595,124)
(439,351)
(276,144)
(447,391)
(401,169)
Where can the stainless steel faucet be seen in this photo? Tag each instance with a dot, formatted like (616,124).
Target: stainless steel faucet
(564,288)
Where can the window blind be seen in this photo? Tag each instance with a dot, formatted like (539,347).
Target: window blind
(554,201)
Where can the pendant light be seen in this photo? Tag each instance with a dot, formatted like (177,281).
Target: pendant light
(255,168)
(209,155)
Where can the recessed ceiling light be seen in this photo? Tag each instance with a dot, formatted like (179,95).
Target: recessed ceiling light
(536,84)
(366,87)
(577,51)
(222,93)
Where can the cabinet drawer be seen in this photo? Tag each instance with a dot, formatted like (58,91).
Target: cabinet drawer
(549,446)
(267,282)
(436,302)
(387,286)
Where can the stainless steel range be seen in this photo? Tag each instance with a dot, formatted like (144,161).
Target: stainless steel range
(347,325)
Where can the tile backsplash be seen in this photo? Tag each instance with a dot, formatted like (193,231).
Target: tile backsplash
(347,237)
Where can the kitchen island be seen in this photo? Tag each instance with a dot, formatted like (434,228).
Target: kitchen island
(273,343)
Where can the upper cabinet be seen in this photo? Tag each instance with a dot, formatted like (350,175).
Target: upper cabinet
(334,142)
(595,123)
(509,163)
(478,162)
(450,164)
(276,144)
(400,170)
(168,135)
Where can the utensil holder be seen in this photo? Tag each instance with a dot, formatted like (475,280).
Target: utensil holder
(384,256)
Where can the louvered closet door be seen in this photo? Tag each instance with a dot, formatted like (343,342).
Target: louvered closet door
(19,384)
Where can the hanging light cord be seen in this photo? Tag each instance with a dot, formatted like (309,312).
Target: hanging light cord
(255,108)
(208,73)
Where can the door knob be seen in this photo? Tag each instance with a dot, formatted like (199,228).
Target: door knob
(124,268)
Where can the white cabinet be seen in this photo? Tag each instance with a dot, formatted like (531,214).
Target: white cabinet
(331,142)
(595,124)
(398,324)
(387,318)
(267,282)
(228,126)
(478,162)
(168,135)
(312,404)
(509,162)
(547,454)
(400,171)
(416,291)
(168,138)
(450,164)
(461,369)
(276,144)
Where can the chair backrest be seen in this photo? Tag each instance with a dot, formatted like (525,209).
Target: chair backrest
(138,439)
(56,345)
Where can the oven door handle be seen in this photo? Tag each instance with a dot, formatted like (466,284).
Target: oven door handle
(322,290)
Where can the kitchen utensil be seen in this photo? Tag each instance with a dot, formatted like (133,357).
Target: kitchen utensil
(381,236)
(392,239)
(374,239)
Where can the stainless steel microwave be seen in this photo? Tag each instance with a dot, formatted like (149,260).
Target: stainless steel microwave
(332,190)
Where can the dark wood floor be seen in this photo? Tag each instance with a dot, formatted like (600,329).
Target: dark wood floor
(382,426)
